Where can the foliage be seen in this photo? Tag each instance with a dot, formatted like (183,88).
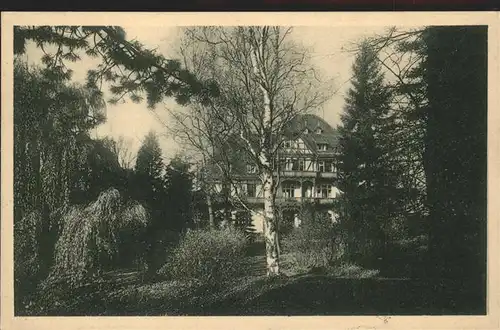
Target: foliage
(27,259)
(243,222)
(51,137)
(315,244)
(121,148)
(179,181)
(455,74)
(127,66)
(61,296)
(441,85)
(90,237)
(369,175)
(149,159)
(267,81)
(210,257)
(52,149)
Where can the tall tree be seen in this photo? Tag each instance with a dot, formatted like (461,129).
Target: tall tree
(149,187)
(367,177)
(455,72)
(446,87)
(149,182)
(179,181)
(149,159)
(265,81)
(51,148)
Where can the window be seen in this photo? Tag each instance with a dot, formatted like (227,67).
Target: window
(251,189)
(329,166)
(251,168)
(333,168)
(288,190)
(306,131)
(321,166)
(322,146)
(288,144)
(308,165)
(323,191)
(288,164)
(302,164)
(319,130)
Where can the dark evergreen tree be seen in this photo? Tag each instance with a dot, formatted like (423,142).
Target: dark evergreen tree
(367,177)
(180,192)
(455,73)
(149,187)
(149,160)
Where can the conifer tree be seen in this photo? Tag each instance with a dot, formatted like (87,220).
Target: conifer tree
(367,177)
(149,160)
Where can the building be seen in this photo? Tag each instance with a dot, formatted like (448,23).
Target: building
(307,172)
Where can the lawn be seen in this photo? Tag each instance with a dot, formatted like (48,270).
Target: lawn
(127,293)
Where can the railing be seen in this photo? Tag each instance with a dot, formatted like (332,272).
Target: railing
(320,200)
(308,174)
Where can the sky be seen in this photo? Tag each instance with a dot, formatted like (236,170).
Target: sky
(131,121)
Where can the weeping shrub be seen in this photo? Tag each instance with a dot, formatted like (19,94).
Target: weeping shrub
(26,254)
(208,256)
(26,258)
(90,235)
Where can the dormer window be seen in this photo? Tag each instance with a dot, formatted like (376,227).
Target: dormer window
(306,131)
(322,147)
(319,130)
(251,168)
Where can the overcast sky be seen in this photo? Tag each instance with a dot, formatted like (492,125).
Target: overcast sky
(134,121)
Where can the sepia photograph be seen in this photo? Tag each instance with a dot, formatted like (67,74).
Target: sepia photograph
(249,169)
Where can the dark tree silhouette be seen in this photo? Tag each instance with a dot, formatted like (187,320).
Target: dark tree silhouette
(367,179)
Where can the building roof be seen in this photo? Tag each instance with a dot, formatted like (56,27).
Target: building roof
(308,125)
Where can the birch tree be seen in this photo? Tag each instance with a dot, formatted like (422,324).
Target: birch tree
(265,81)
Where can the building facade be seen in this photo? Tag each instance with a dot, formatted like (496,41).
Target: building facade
(307,173)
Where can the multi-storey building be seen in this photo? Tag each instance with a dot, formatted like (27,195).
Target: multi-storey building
(307,172)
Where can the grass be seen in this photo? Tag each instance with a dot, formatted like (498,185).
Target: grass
(308,294)
(347,290)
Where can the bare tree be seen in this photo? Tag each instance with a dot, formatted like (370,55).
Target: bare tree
(265,81)
(122,149)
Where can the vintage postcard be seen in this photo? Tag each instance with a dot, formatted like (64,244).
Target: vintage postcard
(250,170)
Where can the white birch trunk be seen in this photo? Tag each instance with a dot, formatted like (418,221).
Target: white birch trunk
(270,233)
(211,221)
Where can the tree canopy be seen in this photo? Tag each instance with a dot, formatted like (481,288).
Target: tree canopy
(127,66)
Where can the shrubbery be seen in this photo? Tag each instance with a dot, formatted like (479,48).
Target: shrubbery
(90,235)
(208,256)
(314,244)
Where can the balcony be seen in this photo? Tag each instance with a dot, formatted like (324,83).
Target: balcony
(319,200)
(327,175)
(298,174)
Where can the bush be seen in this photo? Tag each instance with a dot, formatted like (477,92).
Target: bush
(315,244)
(208,256)
(90,235)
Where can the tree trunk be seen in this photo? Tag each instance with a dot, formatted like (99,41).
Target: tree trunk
(211,221)
(270,232)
